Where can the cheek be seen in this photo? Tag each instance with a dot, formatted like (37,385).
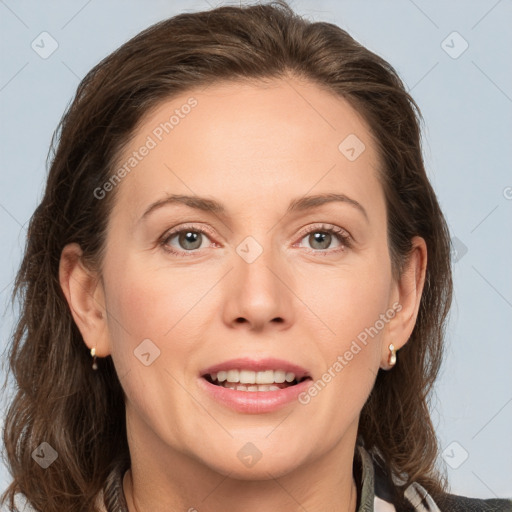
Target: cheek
(151,325)
(348,299)
(353,302)
(152,302)
(350,357)
(138,311)
(169,307)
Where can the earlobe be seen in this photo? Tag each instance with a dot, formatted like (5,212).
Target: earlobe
(84,294)
(409,289)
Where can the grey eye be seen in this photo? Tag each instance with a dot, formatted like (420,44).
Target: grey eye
(321,238)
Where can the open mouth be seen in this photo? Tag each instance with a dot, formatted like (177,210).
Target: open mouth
(245,380)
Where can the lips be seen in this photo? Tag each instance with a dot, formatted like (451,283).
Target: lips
(256,402)
(243,384)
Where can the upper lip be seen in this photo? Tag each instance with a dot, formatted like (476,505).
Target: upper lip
(257,365)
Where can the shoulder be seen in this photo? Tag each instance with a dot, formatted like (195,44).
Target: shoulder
(389,490)
(464,504)
(422,501)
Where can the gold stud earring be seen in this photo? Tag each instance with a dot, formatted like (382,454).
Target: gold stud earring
(94,363)
(392,355)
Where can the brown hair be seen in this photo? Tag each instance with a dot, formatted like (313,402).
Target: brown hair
(80,413)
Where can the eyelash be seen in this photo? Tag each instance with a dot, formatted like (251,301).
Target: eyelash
(339,233)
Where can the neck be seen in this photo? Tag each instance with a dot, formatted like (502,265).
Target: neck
(162,479)
(258,502)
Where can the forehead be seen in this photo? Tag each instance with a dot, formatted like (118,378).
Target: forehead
(250,143)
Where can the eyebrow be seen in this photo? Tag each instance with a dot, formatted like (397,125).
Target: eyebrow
(212,206)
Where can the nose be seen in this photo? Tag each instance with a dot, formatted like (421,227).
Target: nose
(258,294)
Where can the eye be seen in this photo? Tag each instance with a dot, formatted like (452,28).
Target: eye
(188,240)
(321,237)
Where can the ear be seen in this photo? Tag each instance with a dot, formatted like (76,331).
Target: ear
(84,293)
(406,297)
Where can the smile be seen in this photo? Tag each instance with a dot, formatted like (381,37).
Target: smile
(249,380)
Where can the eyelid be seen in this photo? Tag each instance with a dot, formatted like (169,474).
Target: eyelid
(191,226)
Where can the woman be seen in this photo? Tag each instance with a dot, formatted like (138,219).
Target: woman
(234,289)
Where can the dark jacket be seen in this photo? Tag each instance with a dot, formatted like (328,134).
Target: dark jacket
(378,492)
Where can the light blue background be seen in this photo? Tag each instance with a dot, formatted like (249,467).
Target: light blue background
(467,105)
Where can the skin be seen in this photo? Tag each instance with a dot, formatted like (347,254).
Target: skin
(253,147)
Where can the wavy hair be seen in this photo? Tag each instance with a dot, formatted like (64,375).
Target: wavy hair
(81,413)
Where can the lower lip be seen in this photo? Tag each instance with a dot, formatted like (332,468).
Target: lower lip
(255,402)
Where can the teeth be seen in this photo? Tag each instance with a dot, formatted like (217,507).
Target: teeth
(252,377)
(233,376)
(279,376)
(244,387)
(247,377)
(265,377)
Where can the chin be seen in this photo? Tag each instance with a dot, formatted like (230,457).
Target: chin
(261,470)
(256,459)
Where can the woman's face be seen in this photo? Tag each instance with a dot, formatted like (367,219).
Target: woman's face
(189,287)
